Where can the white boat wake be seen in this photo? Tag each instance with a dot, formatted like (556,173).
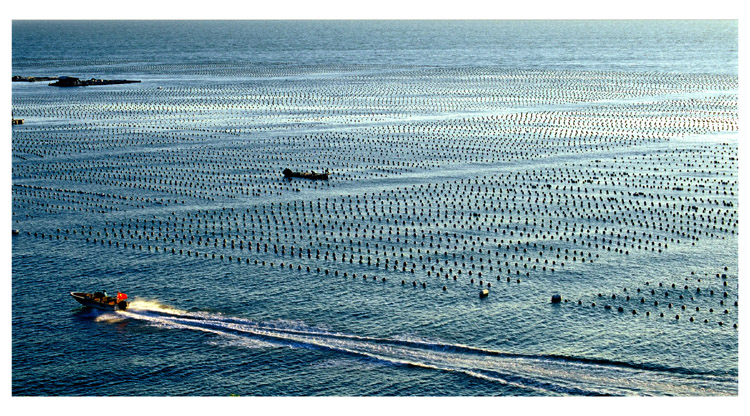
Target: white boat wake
(546,375)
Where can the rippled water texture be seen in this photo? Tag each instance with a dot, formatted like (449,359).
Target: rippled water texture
(595,160)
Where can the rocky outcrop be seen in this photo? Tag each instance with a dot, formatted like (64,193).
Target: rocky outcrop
(18,78)
(76,82)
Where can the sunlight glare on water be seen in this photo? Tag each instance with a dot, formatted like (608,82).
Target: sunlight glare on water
(594,160)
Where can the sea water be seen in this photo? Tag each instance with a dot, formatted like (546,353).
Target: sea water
(592,159)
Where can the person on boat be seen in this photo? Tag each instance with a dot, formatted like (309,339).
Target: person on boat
(121,297)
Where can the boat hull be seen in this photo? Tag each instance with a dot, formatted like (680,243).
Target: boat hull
(106,303)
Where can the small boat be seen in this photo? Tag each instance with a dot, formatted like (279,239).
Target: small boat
(288,173)
(100,300)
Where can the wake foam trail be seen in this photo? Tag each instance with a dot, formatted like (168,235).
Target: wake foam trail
(541,374)
(153,306)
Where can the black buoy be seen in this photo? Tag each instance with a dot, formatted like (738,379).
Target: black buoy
(556,298)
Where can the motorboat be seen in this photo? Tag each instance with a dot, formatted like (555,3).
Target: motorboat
(100,300)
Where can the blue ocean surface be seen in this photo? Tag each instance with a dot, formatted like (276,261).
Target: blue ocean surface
(597,160)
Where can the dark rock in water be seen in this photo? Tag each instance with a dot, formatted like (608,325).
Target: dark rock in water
(288,173)
(18,78)
(75,82)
